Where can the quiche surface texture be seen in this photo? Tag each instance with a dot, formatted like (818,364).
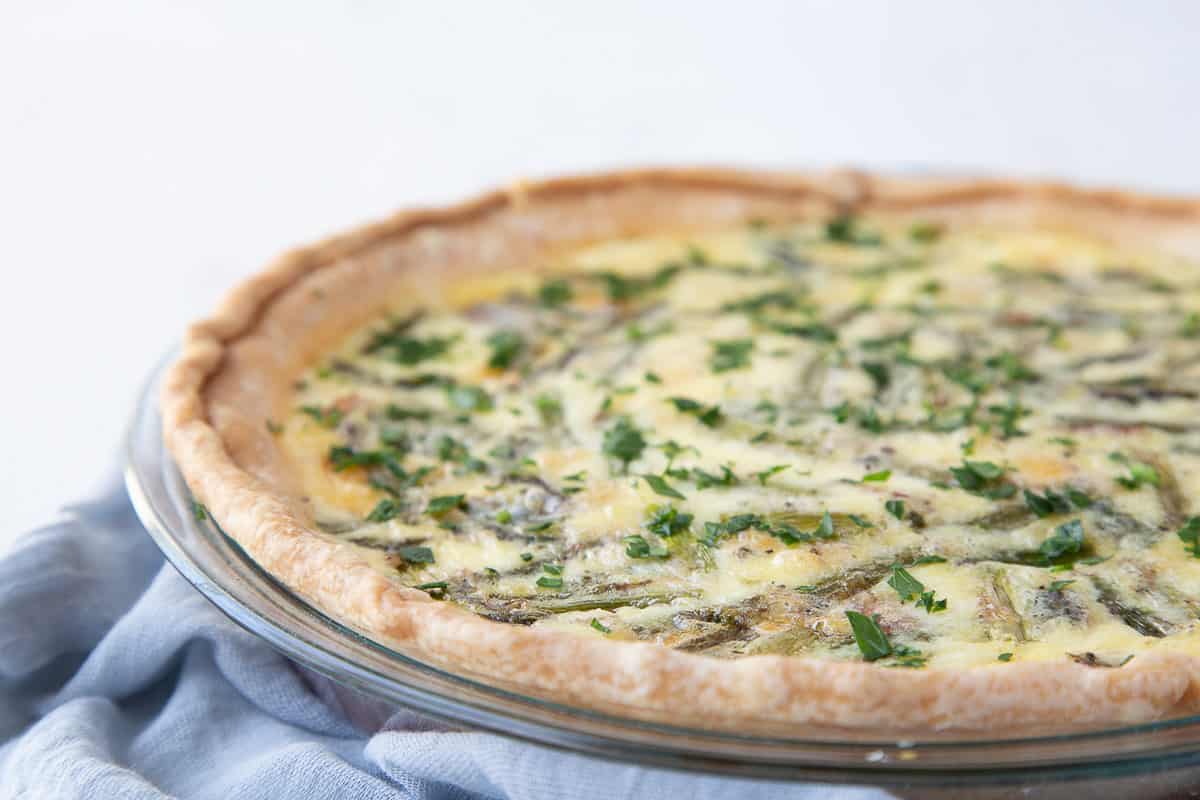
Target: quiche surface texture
(822,449)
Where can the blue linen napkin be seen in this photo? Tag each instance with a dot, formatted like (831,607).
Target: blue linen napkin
(119,680)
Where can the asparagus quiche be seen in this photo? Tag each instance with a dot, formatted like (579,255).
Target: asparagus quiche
(733,446)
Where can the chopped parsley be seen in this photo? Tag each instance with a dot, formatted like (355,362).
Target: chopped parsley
(660,486)
(983,478)
(766,474)
(1139,473)
(872,641)
(1190,329)
(199,512)
(905,584)
(450,449)
(710,417)
(666,521)
(1010,365)
(707,480)
(925,232)
(549,408)
(879,373)
(342,458)
(1189,534)
(415,554)
(895,508)
(445,504)
(877,477)
(1067,539)
(1007,418)
(408,350)
(554,293)
(384,510)
(730,354)
(622,288)
(624,442)
(506,347)
(1004,657)
(845,230)
(758,303)
(1052,502)
(398,413)
(909,588)
(636,546)
(809,330)
(325,417)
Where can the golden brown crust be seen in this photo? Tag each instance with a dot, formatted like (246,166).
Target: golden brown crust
(236,366)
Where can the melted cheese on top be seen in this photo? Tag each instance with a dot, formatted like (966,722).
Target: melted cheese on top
(985,442)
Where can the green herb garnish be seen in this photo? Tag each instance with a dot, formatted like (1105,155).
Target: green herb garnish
(1067,538)
(1139,472)
(408,350)
(766,474)
(554,293)
(905,584)
(660,486)
(729,354)
(667,522)
(1189,534)
(415,554)
(706,480)
(325,417)
(710,417)
(624,442)
(384,510)
(925,232)
(844,230)
(445,504)
(983,478)
(506,346)
(872,641)
(549,408)
(636,546)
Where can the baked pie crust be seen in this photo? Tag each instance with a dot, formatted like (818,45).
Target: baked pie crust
(238,368)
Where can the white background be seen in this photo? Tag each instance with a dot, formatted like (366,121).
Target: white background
(152,154)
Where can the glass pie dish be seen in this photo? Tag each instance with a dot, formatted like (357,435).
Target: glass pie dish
(1155,759)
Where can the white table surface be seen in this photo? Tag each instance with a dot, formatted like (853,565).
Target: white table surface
(153,154)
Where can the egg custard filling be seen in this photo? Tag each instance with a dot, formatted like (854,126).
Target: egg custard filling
(850,439)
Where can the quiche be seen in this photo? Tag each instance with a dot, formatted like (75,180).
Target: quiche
(728,447)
